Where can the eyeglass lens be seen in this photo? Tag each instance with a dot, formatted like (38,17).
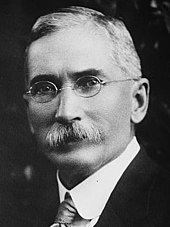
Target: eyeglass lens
(45,91)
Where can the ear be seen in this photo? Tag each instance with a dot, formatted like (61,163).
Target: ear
(140,100)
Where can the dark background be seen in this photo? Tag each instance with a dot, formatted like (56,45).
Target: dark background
(22,170)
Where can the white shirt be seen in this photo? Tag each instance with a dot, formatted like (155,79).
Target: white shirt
(91,195)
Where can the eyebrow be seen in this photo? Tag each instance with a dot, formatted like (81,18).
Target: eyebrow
(44,77)
(53,78)
(91,72)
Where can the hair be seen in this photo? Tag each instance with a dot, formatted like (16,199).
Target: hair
(123,52)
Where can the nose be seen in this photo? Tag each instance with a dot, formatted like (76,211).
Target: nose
(69,106)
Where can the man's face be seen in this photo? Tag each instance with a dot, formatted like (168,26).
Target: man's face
(63,57)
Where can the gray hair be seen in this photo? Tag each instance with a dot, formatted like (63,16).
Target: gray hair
(123,49)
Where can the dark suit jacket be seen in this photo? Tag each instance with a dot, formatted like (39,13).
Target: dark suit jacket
(140,199)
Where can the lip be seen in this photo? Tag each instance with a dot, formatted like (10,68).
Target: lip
(70,146)
(73,144)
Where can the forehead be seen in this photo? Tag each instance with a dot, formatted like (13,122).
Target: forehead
(72,50)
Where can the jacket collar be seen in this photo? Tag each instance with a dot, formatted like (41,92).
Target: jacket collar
(129,201)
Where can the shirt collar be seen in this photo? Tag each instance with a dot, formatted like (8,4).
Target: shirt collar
(91,195)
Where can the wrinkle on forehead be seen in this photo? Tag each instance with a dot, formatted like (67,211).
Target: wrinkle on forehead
(71,50)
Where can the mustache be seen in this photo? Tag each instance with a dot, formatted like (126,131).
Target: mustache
(61,135)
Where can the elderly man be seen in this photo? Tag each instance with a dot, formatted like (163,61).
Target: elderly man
(85,94)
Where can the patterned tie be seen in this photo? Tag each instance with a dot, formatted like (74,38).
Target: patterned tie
(68,216)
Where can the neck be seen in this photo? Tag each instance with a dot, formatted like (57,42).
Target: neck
(71,178)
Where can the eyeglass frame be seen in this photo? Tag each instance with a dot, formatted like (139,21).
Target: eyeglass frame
(101,83)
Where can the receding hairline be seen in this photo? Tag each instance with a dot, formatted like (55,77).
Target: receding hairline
(123,49)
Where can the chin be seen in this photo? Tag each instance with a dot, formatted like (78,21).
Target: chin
(77,156)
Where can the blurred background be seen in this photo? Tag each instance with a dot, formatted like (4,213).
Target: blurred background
(22,169)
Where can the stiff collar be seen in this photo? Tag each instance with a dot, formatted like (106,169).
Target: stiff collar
(91,195)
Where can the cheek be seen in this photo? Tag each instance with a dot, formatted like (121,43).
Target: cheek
(40,117)
(113,110)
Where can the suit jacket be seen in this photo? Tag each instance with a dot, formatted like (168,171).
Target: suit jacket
(140,199)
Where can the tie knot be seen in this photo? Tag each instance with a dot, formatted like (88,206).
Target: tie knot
(68,215)
(66,211)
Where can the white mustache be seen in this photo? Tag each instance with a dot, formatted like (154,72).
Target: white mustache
(60,135)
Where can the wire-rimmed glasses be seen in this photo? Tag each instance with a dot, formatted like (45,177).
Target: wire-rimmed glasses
(86,87)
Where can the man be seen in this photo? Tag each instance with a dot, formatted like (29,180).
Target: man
(85,94)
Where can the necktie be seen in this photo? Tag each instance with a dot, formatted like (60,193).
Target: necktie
(68,216)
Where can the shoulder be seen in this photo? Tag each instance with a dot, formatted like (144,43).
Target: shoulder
(142,196)
(146,174)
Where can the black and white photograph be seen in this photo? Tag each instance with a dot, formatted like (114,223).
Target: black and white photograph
(85,113)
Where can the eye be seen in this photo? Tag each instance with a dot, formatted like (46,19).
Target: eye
(87,82)
(43,88)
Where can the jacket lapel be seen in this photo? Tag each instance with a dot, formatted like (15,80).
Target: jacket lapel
(129,202)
